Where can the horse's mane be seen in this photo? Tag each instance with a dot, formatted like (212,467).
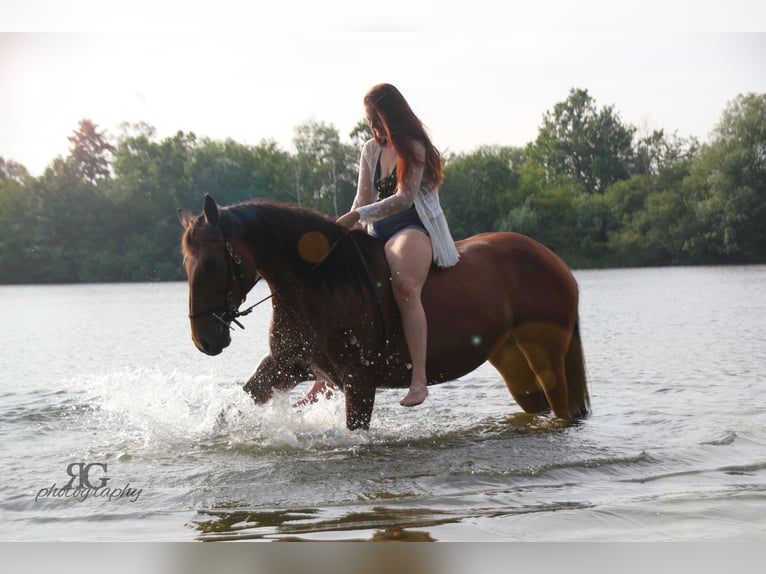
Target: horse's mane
(281,226)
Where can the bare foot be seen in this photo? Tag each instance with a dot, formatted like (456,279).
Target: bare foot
(312,396)
(416,395)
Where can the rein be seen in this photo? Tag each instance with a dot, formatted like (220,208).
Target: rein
(230,312)
(292,283)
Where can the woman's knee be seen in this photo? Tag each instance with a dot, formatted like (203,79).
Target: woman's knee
(406,286)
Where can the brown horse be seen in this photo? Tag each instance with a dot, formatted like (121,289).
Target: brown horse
(509,300)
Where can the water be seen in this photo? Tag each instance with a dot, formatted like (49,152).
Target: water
(107,376)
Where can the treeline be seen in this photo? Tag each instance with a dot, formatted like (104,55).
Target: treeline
(589,186)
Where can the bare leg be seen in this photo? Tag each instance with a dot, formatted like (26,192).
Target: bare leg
(319,387)
(409,257)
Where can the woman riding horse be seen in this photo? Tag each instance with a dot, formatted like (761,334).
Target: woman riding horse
(405,169)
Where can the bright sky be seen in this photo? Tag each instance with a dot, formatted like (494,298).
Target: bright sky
(474,76)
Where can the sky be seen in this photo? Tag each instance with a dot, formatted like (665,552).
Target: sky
(479,75)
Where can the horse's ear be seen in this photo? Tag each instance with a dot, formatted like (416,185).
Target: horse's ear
(210,209)
(185,218)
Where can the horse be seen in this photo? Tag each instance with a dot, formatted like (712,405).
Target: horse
(509,300)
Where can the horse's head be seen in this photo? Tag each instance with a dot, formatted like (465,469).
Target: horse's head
(218,278)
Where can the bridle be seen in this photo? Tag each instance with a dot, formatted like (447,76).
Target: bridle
(229,312)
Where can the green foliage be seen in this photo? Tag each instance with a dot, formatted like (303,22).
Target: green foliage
(107,212)
(475,188)
(586,144)
(89,153)
(659,151)
(728,186)
(326,167)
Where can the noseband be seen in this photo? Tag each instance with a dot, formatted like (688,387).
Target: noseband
(229,312)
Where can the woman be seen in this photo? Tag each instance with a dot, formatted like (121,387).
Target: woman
(397,199)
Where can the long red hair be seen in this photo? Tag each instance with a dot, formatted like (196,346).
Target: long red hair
(402,127)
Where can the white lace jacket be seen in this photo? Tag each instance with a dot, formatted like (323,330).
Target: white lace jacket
(412,190)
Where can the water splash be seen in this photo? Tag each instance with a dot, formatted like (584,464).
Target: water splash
(155,409)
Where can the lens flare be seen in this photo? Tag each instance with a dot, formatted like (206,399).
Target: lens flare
(313,246)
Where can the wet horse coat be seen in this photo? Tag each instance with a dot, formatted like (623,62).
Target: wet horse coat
(509,300)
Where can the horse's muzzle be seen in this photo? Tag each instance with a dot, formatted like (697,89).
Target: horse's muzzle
(214,343)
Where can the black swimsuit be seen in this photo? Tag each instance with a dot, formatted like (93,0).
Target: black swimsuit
(390,225)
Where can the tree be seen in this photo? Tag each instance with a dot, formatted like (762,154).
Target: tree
(17,221)
(650,216)
(234,172)
(153,179)
(90,152)
(728,184)
(10,169)
(588,145)
(659,151)
(360,133)
(109,214)
(72,226)
(325,166)
(476,188)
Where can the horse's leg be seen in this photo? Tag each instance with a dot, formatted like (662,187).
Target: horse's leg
(360,399)
(544,346)
(508,359)
(274,374)
(319,388)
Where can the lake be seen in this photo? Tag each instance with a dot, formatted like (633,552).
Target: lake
(101,386)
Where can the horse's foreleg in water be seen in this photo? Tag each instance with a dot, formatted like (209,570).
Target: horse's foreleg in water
(319,388)
(360,399)
(274,374)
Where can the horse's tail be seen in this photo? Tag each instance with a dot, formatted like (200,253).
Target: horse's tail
(577,383)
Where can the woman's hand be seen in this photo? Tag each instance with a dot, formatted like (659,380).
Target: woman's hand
(348,220)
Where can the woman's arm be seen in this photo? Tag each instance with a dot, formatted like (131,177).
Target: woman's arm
(365,194)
